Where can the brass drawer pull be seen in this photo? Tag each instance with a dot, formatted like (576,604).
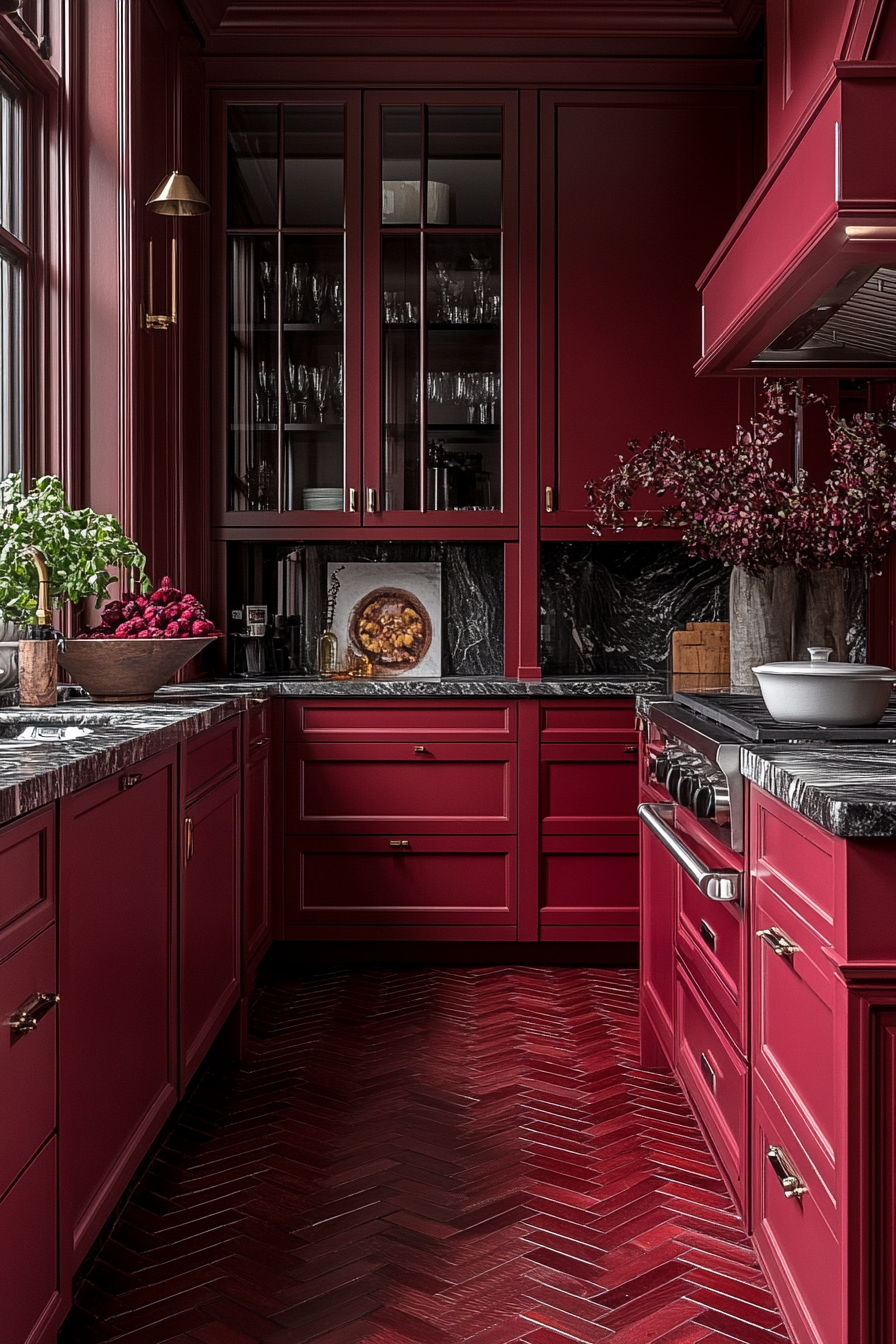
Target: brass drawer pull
(792,1183)
(188,839)
(128,782)
(707,935)
(779,943)
(549,499)
(630,748)
(399,844)
(420,751)
(709,1073)
(261,742)
(352,499)
(26,1017)
(371,499)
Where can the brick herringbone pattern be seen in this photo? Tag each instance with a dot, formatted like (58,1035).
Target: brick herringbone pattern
(432,1156)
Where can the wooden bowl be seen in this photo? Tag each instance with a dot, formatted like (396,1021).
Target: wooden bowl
(390,598)
(114,671)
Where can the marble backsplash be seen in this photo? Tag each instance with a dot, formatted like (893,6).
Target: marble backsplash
(292,579)
(611,607)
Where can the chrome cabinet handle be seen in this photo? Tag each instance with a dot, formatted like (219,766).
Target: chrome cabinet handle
(399,844)
(26,1017)
(128,782)
(792,1182)
(717,884)
(709,1072)
(780,944)
(188,839)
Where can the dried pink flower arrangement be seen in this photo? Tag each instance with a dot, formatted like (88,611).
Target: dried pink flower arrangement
(733,504)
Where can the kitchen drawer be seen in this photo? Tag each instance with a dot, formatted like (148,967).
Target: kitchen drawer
(589,880)
(27,877)
(366,721)
(259,723)
(795,856)
(589,790)
(612,721)
(716,1079)
(712,942)
(401,879)
(210,757)
(30,1300)
(446,787)
(793,1016)
(797,1237)
(27,1059)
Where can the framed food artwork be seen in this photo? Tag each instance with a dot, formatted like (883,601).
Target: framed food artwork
(391,613)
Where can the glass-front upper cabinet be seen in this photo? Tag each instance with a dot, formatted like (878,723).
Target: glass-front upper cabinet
(292,293)
(440,280)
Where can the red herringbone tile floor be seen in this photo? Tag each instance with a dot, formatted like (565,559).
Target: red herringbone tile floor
(431,1156)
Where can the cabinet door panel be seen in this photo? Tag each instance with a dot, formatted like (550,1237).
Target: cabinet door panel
(794,1026)
(30,1300)
(589,879)
(712,942)
(659,895)
(589,790)
(613,163)
(716,1078)
(326,720)
(27,877)
(359,788)
(796,1237)
(258,810)
(28,1059)
(613,722)
(209,922)
(428,880)
(117,981)
(210,757)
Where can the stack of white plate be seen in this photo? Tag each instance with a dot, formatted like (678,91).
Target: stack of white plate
(323,498)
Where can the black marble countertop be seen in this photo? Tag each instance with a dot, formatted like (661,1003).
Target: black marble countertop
(400,687)
(38,772)
(848,789)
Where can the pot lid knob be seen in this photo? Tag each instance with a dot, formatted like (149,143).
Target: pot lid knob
(819,655)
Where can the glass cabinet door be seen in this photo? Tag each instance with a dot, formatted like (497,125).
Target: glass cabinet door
(286,278)
(438,221)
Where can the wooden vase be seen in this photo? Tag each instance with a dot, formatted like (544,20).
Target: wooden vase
(38,673)
(777,615)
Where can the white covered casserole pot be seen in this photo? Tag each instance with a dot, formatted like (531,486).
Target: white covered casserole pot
(834,695)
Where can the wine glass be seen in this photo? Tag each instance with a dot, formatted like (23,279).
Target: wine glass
(321,386)
(295,291)
(337,386)
(262,403)
(320,291)
(336,298)
(265,286)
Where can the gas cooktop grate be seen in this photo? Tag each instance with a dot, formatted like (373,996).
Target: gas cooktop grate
(747,716)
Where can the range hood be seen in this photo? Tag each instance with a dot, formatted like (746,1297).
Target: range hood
(806,276)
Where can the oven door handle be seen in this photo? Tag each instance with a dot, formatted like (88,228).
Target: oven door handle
(717,884)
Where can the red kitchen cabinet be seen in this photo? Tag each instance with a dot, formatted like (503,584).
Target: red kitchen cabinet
(637,189)
(659,878)
(427,788)
(257,843)
(588,794)
(411,721)
(395,883)
(30,1299)
(118,982)
(209,919)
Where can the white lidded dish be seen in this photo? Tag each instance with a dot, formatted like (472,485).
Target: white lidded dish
(834,695)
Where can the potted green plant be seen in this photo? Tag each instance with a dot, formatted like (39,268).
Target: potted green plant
(120,659)
(787,539)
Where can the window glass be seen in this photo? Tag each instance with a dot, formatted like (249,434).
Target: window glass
(10,161)
(11,371)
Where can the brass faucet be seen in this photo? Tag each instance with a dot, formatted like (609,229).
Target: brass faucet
(44,614)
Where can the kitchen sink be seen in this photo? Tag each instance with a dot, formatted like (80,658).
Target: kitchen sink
(39,734)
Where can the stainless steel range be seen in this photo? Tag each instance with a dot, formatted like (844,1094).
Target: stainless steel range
(694,742)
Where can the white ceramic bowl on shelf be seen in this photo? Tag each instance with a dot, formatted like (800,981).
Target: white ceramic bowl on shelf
(834,695)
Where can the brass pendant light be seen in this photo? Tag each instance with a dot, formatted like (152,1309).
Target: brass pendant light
(177,194)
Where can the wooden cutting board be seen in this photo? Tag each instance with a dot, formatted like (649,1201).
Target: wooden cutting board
(701,655)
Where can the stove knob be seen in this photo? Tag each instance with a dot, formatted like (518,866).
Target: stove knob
(661,766)
(677,771)
(703,801)
(689,782)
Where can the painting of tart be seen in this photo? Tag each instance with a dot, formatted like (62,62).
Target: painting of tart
(392,627)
